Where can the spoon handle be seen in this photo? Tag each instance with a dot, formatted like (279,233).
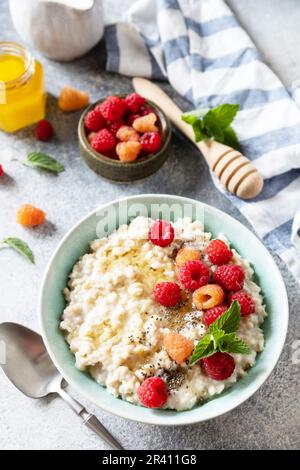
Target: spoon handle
(94,424)
(90,420)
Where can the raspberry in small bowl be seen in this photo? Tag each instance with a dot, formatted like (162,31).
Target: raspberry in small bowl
(125,137)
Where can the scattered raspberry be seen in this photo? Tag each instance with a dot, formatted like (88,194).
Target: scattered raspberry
(213,313)
(167,294)
(150,142)
(128,151)
(103,141)
(94,121)
(161,233)
(44,130)
(178,346)
(127,133)
(186,254)
(134,102)
(218,252)
(153,392)
(145,123)
(208,296)
(193,274)
(30,216)
(115,126)
(219,366)
(230,276)
(131,118)
(71,99)
(247,304)
(112,109)
(1,170)
(90,136)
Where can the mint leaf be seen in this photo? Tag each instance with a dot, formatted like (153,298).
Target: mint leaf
(44,162)
(204,348)
(224,114)
(231,343)
(200,133)
(212,127)
(214,124)
(230,138)
(19,246)
(189,118)
(217,336)
(221,336)
(195,120)
(194,115)
(229,321)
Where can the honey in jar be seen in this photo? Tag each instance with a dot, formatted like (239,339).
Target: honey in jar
(22,92)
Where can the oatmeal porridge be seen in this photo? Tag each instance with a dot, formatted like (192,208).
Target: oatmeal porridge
(146,309)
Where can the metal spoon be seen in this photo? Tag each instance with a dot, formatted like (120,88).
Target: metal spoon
(29,367)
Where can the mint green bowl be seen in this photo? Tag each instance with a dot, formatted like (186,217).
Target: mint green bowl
(76,243)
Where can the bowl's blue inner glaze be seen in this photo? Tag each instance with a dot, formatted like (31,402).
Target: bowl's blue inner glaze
(76,243)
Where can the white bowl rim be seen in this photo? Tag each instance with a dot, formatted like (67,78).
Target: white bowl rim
(155,419)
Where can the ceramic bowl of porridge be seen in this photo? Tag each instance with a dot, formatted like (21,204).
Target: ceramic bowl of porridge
(163,310)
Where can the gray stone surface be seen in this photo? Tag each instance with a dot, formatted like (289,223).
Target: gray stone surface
(270,419)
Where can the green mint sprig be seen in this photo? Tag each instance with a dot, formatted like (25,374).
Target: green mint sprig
(221,336)
(44,162)
(214,124)
(19,246)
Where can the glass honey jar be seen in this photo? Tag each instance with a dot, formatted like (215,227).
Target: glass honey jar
(22,91)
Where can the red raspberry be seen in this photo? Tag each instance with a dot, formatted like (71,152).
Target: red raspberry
(44,130)
(213,313)
(103,141)
(247,304)
(115,126)
(161,233)
(151,142)
(153,392)
(131,118)
(219,366)
(1,170)
(218,252)
(230,276)
(134,102)
(94,121)
(111,154)
(193,274)
(167,294)
(112,109)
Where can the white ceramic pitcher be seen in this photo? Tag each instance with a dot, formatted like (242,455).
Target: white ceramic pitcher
(59,29)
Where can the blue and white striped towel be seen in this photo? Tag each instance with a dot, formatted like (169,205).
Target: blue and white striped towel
(199,46)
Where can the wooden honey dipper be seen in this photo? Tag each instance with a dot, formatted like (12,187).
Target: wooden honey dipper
(236,172)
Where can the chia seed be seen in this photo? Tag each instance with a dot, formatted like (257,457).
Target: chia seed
(174,379)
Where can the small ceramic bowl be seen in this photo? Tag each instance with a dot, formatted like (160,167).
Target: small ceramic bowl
(120,171)
(76,243)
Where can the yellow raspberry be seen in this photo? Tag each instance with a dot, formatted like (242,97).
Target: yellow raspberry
(208,296)
(178,346)
(186,254)
(128,151)
(90,136)
(127,133)
(145,123)
(71,99)
(30,216)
